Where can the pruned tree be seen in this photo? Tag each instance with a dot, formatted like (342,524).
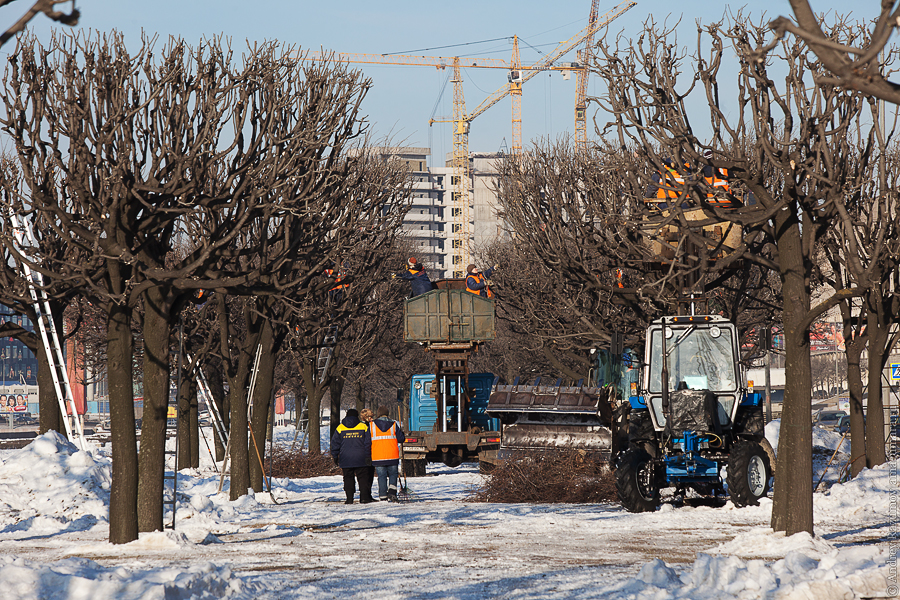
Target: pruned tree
(45,7)
(122,154)
(792,145)
(852,64)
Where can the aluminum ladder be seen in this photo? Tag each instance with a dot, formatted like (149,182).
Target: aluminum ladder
(24,238)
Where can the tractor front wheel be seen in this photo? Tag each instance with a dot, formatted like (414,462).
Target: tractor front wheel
(636,481)
(748,473)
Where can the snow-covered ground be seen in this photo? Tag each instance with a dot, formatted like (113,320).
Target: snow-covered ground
(53,531)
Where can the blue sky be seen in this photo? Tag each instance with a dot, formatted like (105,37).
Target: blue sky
(404,98)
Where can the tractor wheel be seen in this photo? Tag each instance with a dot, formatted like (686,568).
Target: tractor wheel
(414,467)
(636,481)
(748,473)
(640,431)
(749,421)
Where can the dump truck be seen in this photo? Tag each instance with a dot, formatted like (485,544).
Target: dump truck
(448,440)
(693,415)
(447,419)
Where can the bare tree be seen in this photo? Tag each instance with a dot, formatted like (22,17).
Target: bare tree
(854,65)
(791,147)
(45,7)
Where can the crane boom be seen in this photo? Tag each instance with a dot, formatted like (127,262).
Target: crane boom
(516,80)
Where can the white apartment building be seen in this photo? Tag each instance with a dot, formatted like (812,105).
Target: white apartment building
(428,224)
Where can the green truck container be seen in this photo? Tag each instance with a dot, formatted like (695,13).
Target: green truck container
(448,315)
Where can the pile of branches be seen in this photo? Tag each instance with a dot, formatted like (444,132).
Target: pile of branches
(299,465)
(551,476)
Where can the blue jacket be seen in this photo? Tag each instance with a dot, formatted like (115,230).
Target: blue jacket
(477,283)
(418,280)
(383,424)
(351,444)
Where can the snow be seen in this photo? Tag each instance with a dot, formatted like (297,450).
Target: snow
(54,526)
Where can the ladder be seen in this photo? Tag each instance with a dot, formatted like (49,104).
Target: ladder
(249,415)
(302,424)
(212,411)
(24,238)
(323,359)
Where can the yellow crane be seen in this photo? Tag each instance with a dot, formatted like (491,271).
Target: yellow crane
(517,75)
(460,225)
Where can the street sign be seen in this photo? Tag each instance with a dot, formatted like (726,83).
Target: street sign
(895,371)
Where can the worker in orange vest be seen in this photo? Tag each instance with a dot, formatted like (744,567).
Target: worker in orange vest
(717,188)
(336,294)
(477,282)
(386,439)
(665,186)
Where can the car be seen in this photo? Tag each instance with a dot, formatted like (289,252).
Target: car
(843,425)
(828,419)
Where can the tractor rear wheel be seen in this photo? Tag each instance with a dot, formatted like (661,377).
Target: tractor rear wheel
(748,473)
(636,481)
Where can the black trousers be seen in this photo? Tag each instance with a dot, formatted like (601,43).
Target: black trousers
(365,476)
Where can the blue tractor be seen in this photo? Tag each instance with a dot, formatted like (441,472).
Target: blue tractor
(693,416)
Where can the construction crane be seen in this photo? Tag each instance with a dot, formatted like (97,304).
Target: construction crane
(460,225)
(518,75)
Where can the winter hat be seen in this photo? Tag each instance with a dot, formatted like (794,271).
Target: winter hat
(366,414)
(470,268)
(412,262)
(352,412)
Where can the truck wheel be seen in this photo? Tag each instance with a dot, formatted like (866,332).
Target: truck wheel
(748,473)
(414,467)
(636,481)
(452,459)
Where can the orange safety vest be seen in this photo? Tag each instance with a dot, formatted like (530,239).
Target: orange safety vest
(717,185)
(479,277)
(677,179)
(337,279)
(384,443)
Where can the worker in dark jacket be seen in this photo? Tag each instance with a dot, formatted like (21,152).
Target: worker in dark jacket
(386,439)
(477,281)
(351,448)
(416,276)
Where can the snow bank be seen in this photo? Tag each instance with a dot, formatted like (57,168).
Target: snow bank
(821,438)
(82,579)
(807,567)
(845,574)
(50,486)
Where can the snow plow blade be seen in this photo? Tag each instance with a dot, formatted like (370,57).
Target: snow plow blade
(554,417)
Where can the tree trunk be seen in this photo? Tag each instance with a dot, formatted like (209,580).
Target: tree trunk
(194,423)
(238,436)
(792,510)
(314,394)
(854,347)
(215,378)
(878,330)
(187,422)
(262,396)
(48,404)
(152,458)
(123,515)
